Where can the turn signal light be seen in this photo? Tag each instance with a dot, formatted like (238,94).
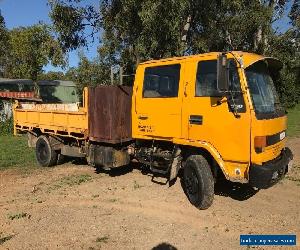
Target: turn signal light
(260,142)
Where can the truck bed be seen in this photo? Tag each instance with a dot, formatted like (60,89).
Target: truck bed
(104,117)
(58,119)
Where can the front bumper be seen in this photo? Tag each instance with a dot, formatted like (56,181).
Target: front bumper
(266,175)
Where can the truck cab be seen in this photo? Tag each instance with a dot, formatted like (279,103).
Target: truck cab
(241,128)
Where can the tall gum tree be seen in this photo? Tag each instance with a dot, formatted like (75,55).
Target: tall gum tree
(132,31)
(31,48)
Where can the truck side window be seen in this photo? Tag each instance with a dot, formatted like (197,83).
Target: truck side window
(206,83)
(235,86)
(206,80)
(161,81)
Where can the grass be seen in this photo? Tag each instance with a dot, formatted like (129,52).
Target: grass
(74,180)
(14,152)
(4,239)
(292,178)
(19,216)
(136,185)
(103,239)
(296,174)
(294,121)
(69,181)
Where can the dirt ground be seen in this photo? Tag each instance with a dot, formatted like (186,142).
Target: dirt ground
(74,207)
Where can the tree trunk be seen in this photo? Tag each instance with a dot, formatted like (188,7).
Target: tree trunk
(184,35)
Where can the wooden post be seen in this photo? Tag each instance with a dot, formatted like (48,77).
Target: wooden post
(121,75)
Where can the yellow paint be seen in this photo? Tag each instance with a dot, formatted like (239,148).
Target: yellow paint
(267,127)
(63,123)
(228,139)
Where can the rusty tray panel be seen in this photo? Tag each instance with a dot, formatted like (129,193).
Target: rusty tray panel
(109,110)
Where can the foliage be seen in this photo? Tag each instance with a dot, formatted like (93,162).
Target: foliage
(69,181)
(295,13)
(285,49)
(134,31)
(103,239)
(4,239)
(89,73)
(19,216)
(92,73)
(51,75)
(70,21)
(31,48)
(3,44)
(6,127)
(139,30)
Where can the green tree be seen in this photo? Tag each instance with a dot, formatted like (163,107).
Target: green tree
(71,74)
(31,48)
(132,31)
(4,45)
(129,28)
(92,73)
(52,75)
(71,20)
(139,30)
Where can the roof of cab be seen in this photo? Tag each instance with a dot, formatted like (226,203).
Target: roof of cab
(248,58)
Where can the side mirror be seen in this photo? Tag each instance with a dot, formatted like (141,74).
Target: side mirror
(222,73)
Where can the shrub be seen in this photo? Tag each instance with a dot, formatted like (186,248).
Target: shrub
(7,127)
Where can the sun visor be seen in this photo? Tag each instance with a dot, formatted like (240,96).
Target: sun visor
(272,62)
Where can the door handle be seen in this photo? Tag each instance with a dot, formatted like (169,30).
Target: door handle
(142,117)
(196,119)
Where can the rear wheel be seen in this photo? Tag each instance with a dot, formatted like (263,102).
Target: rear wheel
(45,155)
(198,181)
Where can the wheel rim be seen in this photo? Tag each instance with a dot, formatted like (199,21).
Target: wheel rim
(192,184)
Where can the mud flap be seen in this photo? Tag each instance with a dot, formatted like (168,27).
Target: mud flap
(175,165)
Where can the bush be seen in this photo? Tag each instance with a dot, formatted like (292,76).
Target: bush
(7,127)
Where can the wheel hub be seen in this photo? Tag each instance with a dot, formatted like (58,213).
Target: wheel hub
(192,184)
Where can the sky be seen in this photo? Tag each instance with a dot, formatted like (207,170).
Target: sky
(284,23)
(28,12)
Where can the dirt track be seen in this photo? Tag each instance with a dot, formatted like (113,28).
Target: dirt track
(73,207)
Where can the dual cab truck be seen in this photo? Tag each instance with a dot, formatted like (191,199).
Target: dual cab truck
(211,115)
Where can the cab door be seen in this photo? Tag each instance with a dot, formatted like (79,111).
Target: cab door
(209,117)
(157,102)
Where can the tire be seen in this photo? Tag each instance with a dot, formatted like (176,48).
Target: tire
(198,182)
(45,155)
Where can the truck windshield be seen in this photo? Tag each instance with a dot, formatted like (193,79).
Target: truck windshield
(264,97)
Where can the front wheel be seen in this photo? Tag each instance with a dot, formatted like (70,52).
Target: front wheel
(45,155)
(198,182)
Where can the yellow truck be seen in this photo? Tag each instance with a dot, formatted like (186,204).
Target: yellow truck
(210,115)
